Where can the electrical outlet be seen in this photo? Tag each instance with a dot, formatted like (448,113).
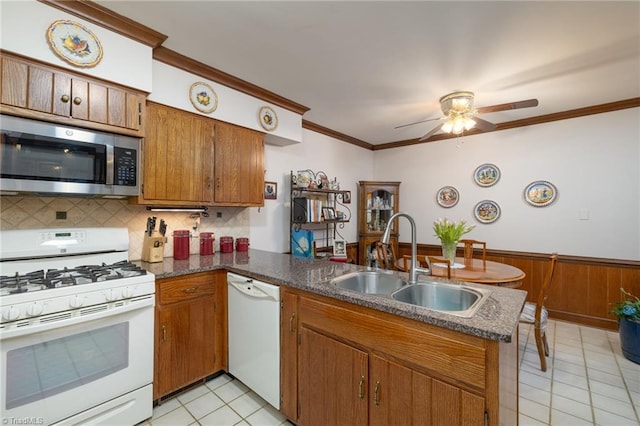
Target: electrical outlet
(218,214)
(61,215)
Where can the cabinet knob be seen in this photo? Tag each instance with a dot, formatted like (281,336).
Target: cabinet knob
(77,101)
(65,98)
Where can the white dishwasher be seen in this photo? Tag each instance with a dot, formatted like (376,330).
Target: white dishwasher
(254,335)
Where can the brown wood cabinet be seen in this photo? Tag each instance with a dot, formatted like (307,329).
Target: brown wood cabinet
(177,159)
(288,353)
(35,90)
(359,366)
(239,166)
(190,330)
(377,202)
(192,160)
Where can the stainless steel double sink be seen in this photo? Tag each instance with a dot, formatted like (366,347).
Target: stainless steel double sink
(454,299)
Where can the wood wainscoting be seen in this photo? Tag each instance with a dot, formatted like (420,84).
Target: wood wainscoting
(583,288)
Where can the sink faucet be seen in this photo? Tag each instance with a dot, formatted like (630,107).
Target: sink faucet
(415,269)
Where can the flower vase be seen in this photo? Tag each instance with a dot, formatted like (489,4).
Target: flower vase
(630,339)
(449,251)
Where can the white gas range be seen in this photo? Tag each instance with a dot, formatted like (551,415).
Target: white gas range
(76,328)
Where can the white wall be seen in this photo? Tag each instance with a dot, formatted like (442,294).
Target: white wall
(348,163)
(171,87)
(23,30)
(593,161)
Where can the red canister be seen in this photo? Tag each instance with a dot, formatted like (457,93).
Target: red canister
(181,244)
(242,244)
(206,243)
(226,244)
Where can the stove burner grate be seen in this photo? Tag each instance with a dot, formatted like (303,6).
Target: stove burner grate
(56,278)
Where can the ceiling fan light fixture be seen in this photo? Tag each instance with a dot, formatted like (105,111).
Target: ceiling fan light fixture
(460,102)
(458,123)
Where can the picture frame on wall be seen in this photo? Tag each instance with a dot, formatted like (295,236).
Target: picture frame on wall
(346,197)
(270,190)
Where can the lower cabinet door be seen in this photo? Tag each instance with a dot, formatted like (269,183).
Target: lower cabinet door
(185,344)
(400,395)
(332,385)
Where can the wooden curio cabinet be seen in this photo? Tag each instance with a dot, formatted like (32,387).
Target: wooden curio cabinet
(377,202)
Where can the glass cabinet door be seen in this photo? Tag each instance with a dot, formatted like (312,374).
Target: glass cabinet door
(379,208)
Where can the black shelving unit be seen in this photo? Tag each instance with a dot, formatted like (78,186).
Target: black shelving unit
(318,209)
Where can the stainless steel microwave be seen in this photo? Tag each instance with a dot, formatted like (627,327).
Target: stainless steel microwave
(48,158)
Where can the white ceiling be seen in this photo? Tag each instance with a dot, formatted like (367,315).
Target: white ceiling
(364,67)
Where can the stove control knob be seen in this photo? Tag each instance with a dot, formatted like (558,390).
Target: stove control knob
(35,309)
(112,295)
(11,314)
(76,301)
(127,293)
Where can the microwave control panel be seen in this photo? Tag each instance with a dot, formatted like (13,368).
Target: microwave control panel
(125,167)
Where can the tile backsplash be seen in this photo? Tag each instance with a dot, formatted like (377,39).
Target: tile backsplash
(28,212)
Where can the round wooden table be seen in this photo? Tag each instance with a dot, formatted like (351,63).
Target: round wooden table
(495,273)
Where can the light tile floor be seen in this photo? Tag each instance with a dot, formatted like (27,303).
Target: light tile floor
(587,382)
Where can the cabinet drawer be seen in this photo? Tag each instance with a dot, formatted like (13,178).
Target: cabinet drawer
(178,289)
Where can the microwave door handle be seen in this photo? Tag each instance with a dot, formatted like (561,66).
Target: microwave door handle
(110,164)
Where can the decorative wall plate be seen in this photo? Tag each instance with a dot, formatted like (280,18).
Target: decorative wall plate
(74,43)
(486,174)
(540,193)
(268,118)
(447,196)
(203,97)
(486,211)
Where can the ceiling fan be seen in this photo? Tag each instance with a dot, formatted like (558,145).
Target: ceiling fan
(457,108)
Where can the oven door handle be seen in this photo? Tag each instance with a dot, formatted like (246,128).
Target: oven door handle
(77,317)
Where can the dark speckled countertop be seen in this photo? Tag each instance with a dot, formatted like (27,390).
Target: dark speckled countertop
(496,319)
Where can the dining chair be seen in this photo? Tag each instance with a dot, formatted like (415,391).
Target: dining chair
(434,260)
(386,256)
(468,250)
(536,313)
(406,262)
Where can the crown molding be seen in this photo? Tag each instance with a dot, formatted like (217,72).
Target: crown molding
(173,58)
(337,135)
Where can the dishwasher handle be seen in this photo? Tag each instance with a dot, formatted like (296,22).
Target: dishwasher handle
(253,288)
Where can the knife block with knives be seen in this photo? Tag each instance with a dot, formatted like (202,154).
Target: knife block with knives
(154,241)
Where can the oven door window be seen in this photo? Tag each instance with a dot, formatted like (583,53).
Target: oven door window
(44,369)
(51,159)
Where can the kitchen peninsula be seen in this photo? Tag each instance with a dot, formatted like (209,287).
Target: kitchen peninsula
(383,353)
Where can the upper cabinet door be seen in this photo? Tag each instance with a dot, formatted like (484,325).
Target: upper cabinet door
(34,90)
(239,166)
(177,157)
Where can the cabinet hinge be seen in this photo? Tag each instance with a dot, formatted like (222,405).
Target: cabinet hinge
(142,189)
(486,419)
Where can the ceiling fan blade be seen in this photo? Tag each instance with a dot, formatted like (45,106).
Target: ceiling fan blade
(484,125)
(417,122)
(511,105)
(431,133)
